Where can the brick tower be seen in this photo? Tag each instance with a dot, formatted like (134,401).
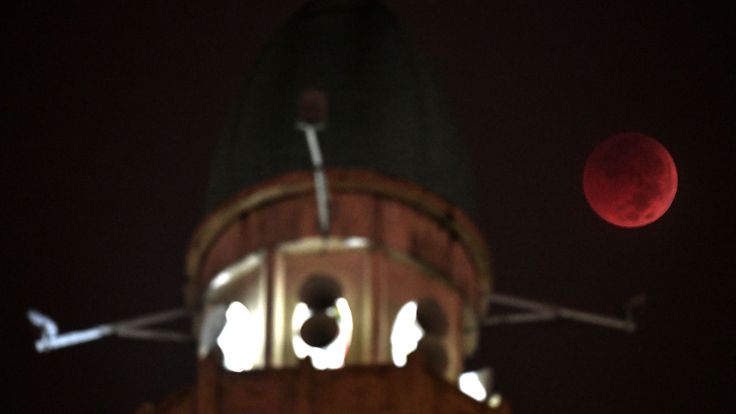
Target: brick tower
(337,273)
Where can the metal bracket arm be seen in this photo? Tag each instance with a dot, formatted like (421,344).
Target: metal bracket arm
(539,312)
(51,339)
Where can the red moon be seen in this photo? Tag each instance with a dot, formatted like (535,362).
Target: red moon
(630,180)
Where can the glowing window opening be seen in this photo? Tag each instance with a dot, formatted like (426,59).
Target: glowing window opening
(495,400)
(240,338)
(471,385)
(333,355)
(405,334)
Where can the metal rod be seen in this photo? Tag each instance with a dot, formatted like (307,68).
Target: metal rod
(51,339)
(519,318)
(152,319)
(320,180)
(549,312)
(50,343)
(155,335)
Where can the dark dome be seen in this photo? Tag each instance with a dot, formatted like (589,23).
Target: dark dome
(385,111)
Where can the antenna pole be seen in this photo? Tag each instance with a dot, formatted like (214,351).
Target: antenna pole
(312,116)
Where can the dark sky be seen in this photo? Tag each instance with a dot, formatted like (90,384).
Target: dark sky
(111,113)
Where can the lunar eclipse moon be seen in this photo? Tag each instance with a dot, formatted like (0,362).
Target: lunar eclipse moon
(630,180)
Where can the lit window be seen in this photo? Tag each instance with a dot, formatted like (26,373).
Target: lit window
(495,400)
(471,385)
(240,338)
(405,334)
(234,314)
(333,355)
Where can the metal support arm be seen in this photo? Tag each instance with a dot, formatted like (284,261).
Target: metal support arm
(538,311)
(130,328)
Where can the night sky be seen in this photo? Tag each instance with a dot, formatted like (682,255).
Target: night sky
(110,117)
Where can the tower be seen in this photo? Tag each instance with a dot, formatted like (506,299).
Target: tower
(323,264)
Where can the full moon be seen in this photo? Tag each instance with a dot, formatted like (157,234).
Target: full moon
(630,180)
